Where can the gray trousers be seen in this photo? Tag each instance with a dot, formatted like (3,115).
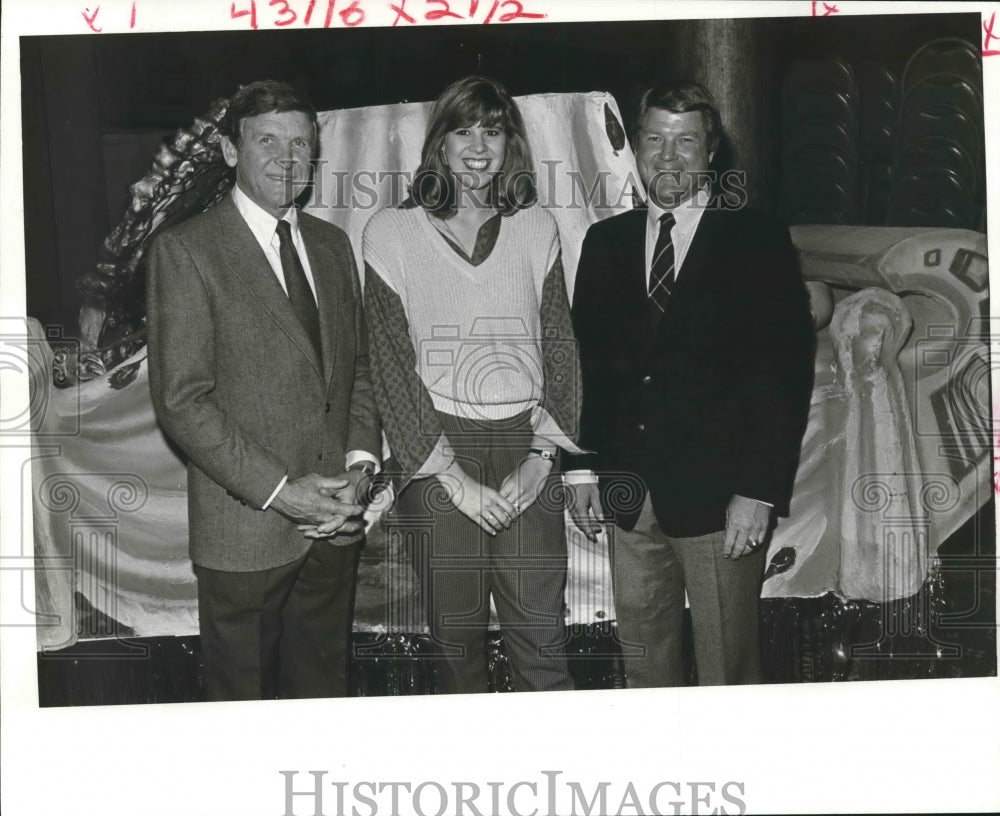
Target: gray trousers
(650,574)
(460,567)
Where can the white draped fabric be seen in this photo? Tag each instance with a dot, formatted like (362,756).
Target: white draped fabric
(369,154)
(110,510)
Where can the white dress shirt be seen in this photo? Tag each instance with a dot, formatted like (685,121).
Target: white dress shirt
(687,216)
(264,227)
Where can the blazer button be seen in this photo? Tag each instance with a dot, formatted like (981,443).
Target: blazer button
(326,409)
(647,380)
(641,426)
(319,457)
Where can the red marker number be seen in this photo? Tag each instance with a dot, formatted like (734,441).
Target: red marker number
(252,12)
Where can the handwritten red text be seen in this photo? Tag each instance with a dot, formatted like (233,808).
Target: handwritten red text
(989,35)
(282,13)
(500,11)
(91,18)
(824,9)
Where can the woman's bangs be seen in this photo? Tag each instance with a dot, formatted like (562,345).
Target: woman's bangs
(471,112)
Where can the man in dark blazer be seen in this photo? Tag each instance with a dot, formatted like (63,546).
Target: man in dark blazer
(697,349)
(259,372)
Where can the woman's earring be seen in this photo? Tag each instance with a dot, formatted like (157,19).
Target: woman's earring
(444,156)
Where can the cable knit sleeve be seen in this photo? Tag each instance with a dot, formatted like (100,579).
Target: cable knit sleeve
(556,419)
(416,439)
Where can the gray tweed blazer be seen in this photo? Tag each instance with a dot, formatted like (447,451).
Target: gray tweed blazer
(238,387)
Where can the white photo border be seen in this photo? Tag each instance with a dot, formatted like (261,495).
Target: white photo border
(926,745)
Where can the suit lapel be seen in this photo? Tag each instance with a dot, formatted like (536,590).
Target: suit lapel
(632,244)
(699,251)
(637,284)
(703,244)
(250,266)
(328,297)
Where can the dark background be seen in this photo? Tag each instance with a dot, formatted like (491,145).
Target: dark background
(96,107)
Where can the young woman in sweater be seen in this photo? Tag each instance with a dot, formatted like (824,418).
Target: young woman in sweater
(477,380)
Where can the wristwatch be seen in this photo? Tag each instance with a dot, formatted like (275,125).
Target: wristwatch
(544,454)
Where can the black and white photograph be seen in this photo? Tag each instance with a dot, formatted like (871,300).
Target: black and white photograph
(434,353)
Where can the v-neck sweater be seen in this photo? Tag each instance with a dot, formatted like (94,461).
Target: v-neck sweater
(475,328)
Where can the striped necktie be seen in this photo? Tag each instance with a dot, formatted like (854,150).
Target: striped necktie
(662,273)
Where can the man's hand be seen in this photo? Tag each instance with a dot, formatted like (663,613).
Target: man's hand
(747,522)
(315,499)
(356,489)
(482,504)
(349,491)
(522,486)
(585,508)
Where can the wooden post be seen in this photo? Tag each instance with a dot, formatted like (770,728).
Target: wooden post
(724,56)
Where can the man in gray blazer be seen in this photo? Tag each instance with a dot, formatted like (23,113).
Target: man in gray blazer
(258,369)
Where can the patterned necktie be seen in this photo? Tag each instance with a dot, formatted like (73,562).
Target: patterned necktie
(299,292)
(662,273)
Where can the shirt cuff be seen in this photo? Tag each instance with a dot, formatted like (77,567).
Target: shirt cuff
(277,490)
(579,477)
(352,457)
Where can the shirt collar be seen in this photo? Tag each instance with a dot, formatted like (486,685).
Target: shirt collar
(687,213)
(262,224)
